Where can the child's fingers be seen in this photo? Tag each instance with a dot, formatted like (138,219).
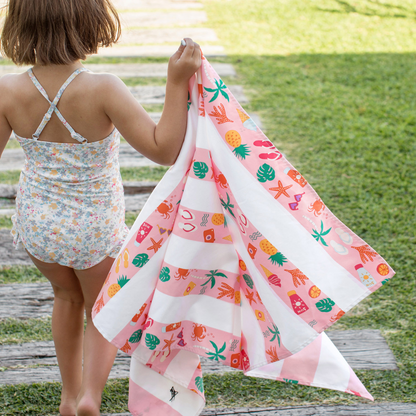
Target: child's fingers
(179,52)
(189,48)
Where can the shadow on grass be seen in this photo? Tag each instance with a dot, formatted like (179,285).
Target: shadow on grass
(372,8)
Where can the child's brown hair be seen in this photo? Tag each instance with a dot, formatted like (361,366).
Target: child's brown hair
(57,32)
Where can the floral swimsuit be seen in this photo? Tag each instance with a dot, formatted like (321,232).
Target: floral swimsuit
(70,201)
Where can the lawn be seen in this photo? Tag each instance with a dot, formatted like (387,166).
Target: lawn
(334,84)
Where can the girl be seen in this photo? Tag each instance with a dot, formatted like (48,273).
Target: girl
(70,206)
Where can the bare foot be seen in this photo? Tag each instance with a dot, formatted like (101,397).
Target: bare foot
(87,406)
(68,408)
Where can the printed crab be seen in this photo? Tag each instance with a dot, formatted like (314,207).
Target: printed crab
(221,180)
(182,273)
(165,208)
(317,207)
(199,332)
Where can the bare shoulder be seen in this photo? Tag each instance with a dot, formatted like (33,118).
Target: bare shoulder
(10,86)
(106,84)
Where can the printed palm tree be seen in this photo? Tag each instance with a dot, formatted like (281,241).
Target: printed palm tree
(276,333)
(211,275)
(220,87)
(227,205)
(215,355)
(318,236)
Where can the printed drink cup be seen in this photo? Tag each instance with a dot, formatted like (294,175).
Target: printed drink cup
(296,176)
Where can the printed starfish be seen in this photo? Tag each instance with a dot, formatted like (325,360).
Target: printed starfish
(168,343)
(280,190)
(250,296)
(155,246)
(366,254)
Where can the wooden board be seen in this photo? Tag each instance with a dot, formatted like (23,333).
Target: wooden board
(14,357)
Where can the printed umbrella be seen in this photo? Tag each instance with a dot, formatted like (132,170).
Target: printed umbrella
(234,258)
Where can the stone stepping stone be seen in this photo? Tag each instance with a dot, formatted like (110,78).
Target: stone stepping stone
(153,4)
(147,19)
(155,50)
(379,409)
(128,70)
(168,35)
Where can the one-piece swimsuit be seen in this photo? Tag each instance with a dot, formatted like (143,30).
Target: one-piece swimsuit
(70,200)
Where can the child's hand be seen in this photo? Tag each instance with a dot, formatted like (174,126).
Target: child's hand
(184,62)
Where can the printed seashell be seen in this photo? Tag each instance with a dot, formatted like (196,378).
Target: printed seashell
(275,280)
(339,248)
(344,236)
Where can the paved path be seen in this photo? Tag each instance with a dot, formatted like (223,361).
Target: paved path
(155,4)
(378,409)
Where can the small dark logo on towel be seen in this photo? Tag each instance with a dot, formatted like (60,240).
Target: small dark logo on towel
(173,393)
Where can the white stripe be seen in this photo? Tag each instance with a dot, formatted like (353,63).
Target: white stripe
(183,367)
(188,254)
(119,310)
(282,229)
(187,403)
(333,371)
(201,195)
(202,309)
(295,332)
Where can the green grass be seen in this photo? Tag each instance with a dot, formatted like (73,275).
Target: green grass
(20,274)
(14,331)
(5,222)
(145,173)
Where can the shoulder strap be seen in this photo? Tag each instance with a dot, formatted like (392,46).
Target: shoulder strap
(53,105)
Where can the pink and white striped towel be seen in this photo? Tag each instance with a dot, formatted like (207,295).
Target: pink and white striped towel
(235,258)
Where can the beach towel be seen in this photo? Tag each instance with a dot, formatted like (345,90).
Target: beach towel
(234,258)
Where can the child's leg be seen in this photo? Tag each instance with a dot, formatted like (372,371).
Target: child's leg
(99,354)
(67,329)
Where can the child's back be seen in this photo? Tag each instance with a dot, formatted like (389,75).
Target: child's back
(70,186)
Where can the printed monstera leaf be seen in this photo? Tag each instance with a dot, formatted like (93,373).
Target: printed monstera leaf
(140,260)
(152,341)
(164,275)
(265,173)
(199,384)
(136,336)
(325,305)
(200,169)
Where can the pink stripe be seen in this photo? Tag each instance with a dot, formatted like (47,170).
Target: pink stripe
(302,365)
(356,387)
(142,403)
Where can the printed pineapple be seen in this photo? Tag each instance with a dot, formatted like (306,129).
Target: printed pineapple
(275,256)
(218,219)
(233,138)
(115,287)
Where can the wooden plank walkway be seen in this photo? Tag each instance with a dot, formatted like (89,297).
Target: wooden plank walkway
(376,409)
(153,70)
(365,349)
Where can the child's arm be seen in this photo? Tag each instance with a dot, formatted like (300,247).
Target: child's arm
(5,129)
(162,142)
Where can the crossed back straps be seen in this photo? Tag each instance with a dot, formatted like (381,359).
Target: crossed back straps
(53,106)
